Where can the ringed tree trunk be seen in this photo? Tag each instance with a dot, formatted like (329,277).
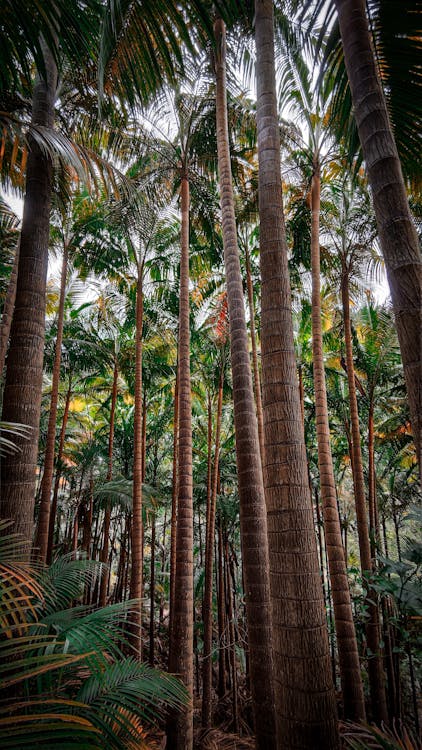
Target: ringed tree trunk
(375,667)
(173,522)
(53,511)
(253,522)
(208,580)
(350,675)
(105,573)
(41,538)
(256,377)
(180,726)
(397,233)
(137,530)
(22,392)
(9,305)
(305,699)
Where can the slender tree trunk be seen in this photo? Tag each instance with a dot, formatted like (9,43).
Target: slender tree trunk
(136,576)
(152,594)
(351,682)
(9,306)
(53,511)
(255,365)
(105,574)
(41,538)
(305,699)
(397,233)
(375,668)
(209,554)
(173,522)
(221,617)
(253,522)
(22,392)
(231,640)
(180,735)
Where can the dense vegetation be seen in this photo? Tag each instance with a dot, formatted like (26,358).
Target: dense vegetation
(211,437)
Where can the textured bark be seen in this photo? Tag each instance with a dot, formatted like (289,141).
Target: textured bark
(375,668)
(22,392)
(180,728)
(255,365)
(173,522)
(232,642)
(209,555)
(136,574)
(7,314)
(253,525)
(41,538)
(105,574)
(53,510)
(221,616)
(305,699)
(397,233)
(351,682)
(152,594)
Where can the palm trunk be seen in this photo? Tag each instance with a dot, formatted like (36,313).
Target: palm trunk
(9,306)
(397,233)
(180,735)
(256,378)
(209,554)
(105,573)
(231,640)
(23,388)
(136,576)
(253,524)
(41,538)
(152,594)
(53,510)
(173,522)
(221,617)
(351,682)
(375,669)
(305,699)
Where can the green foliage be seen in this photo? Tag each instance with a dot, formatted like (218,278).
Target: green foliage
(65,680)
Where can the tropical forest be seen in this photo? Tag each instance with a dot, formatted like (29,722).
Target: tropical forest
(210,374)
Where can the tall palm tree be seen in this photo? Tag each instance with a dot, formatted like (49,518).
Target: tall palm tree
(305,700)
(397,232)
(249,470)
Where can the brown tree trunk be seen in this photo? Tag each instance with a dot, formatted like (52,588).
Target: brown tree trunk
(53,510)
(209,554)
(255,365)
(375,668)
(397,233)
(253,524)
(351,682)
(231,640)
(173,521)
(152,594)
(180,727)
(136,575)
(221,617)
(105,573)
(9,306)
(305,699)
(23,387)
(41,538)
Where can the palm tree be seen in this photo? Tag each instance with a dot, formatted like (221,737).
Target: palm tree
(305,701)
(249,470)
(397,233)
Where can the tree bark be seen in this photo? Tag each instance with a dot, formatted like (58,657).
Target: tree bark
(350,675)
(173,522)
(23,387)
(253,523)
(9,306)
(41,539)
(180,727)
(152,594)
(53,510)
(397,233)
(105,573)
(255,365)
(375,668)
(209,555)
(305,699)
(137,530)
